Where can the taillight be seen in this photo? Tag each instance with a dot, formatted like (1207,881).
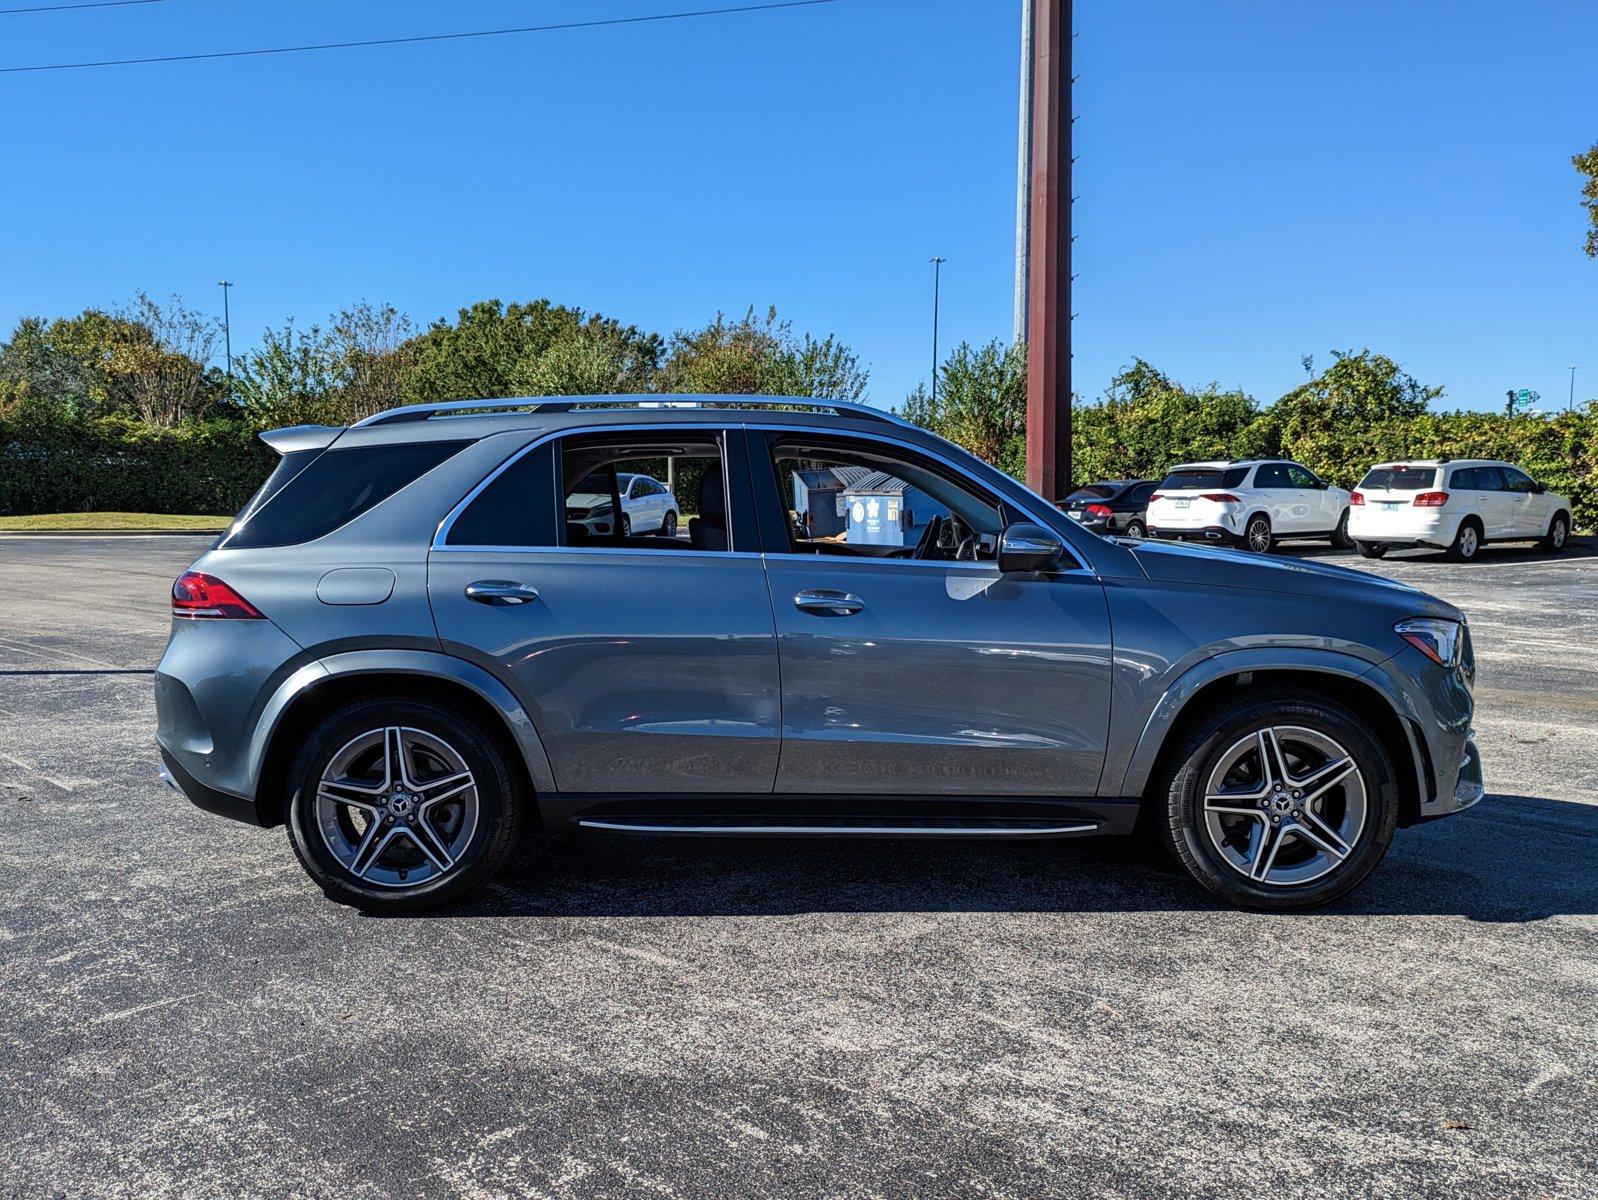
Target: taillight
(196,594)
(1431,499)
(1157,496)
(1220,497)
(1098,510)
(1356,497)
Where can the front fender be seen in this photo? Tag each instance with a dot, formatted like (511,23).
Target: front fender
(424,664)
(1167,711)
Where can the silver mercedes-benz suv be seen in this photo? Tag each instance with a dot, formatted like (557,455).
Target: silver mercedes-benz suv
(411,646)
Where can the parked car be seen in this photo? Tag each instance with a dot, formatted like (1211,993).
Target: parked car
(406,654)
(1251,503)
(647,506)
(1454,505)
(1111,506)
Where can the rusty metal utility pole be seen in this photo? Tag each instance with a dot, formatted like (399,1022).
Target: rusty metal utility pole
(1048,411)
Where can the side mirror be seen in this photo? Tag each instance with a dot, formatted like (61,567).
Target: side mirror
(1028,547)
(1321,485)
(1539,486)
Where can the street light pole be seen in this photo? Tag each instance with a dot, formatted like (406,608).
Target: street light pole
(227,334)
(1570,405)
(937,278)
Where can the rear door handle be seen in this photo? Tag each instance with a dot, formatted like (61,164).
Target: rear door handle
(828,602)
(500,591)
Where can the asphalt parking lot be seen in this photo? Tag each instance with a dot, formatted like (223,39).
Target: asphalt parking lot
(183,1014)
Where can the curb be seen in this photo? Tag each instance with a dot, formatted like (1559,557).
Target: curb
(103,533)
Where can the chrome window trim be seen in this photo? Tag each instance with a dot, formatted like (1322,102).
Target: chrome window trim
(442,532)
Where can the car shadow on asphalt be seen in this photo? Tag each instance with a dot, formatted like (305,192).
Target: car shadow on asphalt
(1495,554)
(1511,859)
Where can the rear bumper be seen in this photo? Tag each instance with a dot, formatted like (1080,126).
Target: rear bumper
(1401,529)
(1207,533)
(201,796)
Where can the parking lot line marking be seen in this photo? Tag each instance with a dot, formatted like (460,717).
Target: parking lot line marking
(141,1008)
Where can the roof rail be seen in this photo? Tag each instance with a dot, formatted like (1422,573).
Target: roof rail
(564,404)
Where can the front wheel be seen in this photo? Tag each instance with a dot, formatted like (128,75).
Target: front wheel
(668,527)
(1558,534)
(626,525)
(1340,538)
(1278,800)
(400,805)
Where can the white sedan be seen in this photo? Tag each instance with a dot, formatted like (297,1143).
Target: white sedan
(1455,505)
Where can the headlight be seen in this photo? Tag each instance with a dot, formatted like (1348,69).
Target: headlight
(1435,637)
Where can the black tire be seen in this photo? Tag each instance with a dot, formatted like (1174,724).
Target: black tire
(1558,535)
(1136,529)
(1257,534)
(626,525)
(1467,541)
(1340,538)
(668,525)
(1178,804)
(1371,549)
(499,805)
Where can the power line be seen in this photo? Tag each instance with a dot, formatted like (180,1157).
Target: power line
(432,37)
(5,12)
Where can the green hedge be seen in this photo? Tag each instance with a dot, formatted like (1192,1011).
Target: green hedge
(120,465)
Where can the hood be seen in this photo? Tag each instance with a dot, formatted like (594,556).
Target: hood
(1173,562)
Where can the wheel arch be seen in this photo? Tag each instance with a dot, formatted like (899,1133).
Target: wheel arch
(1344,679)
(306,697)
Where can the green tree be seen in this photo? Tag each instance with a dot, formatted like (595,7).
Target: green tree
(760,356)
(359,364)
(1148,422)
(1587,164)
(492,349)
(1338,422)
(981,404)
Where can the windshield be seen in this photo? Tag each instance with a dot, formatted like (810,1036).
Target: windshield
(1195,478)
(1399,479)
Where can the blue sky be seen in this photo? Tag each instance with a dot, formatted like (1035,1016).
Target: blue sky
(1257,181)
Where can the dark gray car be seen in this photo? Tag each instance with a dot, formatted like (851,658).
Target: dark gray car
(409,650)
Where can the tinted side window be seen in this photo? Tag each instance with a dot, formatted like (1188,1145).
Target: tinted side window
(1141,493)
(335,488)
(1466,479)
(1489,479)
(1271,475)
(517,508)
(1516,481)
(1300,477)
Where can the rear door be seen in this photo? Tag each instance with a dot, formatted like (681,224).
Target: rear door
(1288,507)
(647,665)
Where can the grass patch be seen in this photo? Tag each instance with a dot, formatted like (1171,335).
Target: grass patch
(68,522)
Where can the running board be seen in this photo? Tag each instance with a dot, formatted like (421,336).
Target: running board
(885,827)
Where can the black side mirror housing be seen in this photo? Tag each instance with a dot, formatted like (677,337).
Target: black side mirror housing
(1024,547)
(1321,485)
(1539,486)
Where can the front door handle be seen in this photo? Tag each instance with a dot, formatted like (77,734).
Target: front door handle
(827,602)
(500,591)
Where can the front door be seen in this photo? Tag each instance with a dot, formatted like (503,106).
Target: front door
(910,664)
(648,665)
(1526,511)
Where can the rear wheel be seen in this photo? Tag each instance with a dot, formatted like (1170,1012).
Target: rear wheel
(1136,529)
(401,805)
(1467,542)
(1278,800)
(1371,549)
(1257,534)
(1340,538)
(1558,533)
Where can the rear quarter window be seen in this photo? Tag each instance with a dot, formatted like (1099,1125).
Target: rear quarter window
(1400,479)
(335,488)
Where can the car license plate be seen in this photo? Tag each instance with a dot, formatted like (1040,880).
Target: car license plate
(1075,516)
(1180,503)
(1389,505)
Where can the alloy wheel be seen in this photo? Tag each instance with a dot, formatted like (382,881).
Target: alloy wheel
(397,807)
(1259,536)
(1285,805)
(1469,543)
(1561,532)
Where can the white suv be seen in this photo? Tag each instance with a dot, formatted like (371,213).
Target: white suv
(1252,504)
(1454,505)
